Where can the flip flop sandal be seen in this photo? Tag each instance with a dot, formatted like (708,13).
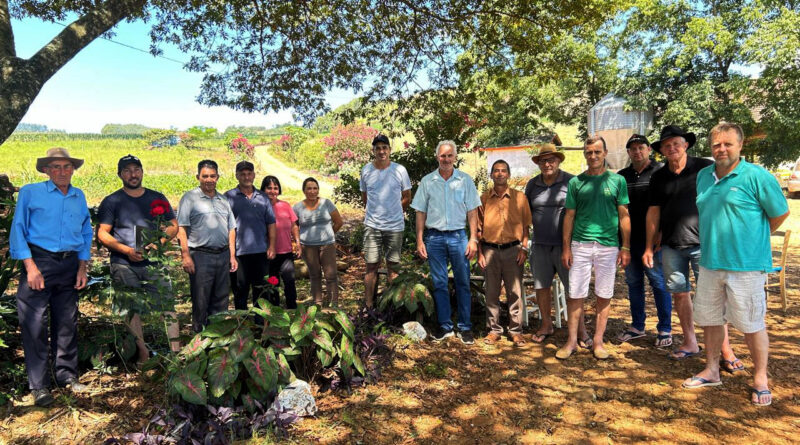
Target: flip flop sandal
(758,394)
(542,337)
(564,355)
(684,354)
(699,382)
(586,343)
(663,340)
(732,366)
(629,335)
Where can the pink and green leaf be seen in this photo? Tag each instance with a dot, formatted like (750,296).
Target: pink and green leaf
(222,372)
(191,387)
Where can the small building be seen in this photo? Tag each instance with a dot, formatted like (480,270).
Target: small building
(609,119)
(519,156)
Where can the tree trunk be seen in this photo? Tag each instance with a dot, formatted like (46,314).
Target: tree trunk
(21,80)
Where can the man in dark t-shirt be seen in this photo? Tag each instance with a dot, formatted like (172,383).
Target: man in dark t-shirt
(637,176)
(672,224)
(119,215)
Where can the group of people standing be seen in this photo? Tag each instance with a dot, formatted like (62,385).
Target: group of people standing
(653,220)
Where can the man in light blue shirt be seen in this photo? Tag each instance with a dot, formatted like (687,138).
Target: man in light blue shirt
(739,205)
(386,192)
(52,234)
(445,200)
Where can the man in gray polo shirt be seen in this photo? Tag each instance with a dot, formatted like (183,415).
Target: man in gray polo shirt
(207,234)
(546,195)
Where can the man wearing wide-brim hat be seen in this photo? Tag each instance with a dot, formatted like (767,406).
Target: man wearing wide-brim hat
(51,233)
(672,225)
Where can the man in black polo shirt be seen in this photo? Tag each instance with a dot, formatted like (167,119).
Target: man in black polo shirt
(672,224)
(637,175)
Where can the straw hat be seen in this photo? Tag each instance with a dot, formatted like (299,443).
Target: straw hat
(54,154)
(547,149)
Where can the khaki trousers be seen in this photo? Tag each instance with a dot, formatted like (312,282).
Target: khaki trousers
(502,267)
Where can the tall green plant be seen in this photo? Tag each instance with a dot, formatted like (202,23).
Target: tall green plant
(233,359)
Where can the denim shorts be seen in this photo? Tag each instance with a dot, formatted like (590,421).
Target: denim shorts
(676,263)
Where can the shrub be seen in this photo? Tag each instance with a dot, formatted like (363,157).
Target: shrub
(311,155)
(241,147)
(349,147)
(411,290)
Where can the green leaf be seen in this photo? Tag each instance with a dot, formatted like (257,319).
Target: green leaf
(262,367)
(346,350)
(291,352)
(223,341)
(410,300)
(347,371)
(257,392)
(359,365)
(325,325)
(274,332)
(235,389)
(304,323)
(241,346)
(424,297)
(199,364)
(284,371)
(222,372)
(197,345)
(345,323)
(220,328)
(191,387)
(325,357)
(323,340)
(249,405)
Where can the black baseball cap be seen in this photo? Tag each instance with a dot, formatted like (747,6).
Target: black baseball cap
(380,138)
(245,165)
(637,139)
(128,159)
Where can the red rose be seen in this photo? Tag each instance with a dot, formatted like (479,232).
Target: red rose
(158,207)
(156,211)
(273,281)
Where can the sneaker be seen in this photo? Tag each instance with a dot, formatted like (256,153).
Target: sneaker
(466,337)
(42,397)
(74,385)
(441,334)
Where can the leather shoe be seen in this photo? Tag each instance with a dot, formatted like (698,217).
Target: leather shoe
(74,385)
(491,338)
(42,397)
(518,339)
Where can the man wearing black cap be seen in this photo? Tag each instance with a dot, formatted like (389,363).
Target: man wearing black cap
(386,192)
(672,224)
(52,235)
(255,237)
(120,214)
(637,175)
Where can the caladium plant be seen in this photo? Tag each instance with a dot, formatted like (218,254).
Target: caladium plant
(410,290)
(234,361)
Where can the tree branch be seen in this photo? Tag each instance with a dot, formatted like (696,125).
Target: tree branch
(7,48)
(69,42)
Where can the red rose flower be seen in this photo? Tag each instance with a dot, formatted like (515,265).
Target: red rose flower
(158,207)
(273,281)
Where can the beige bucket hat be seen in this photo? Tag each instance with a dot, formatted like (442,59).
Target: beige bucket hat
(57,153)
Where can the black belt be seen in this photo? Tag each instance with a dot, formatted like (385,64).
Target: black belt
(443,231)
(500,246)
(210,249)
(38,251)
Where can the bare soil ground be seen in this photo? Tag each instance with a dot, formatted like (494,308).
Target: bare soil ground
(456,394)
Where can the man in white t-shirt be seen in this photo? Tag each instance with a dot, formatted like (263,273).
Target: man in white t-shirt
(386,192)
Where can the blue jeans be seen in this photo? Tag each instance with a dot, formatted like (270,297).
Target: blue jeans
(676,267)
(634,276)
(443,247)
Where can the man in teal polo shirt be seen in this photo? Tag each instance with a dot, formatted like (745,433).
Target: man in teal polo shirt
(739,205)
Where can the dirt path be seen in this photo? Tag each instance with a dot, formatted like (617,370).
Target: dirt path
(290,177)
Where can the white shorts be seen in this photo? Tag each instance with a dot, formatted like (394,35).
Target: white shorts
(584,257)
(735,297)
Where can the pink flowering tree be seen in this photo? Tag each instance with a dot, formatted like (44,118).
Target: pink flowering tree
(348,147)
(241,147)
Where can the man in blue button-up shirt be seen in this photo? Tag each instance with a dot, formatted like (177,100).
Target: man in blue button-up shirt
(255,238)
(445,200)
(51,233)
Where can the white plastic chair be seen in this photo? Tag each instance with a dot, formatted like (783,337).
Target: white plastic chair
(559,299)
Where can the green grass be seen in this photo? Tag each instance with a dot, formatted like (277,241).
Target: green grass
(169,170)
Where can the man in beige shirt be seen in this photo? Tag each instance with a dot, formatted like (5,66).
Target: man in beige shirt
(503,222)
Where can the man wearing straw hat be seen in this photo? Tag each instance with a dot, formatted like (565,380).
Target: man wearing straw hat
(52,234)
(547,193)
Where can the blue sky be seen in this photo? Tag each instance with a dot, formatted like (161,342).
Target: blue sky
(108,83)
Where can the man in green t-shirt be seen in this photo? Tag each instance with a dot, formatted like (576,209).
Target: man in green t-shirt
(596,213)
